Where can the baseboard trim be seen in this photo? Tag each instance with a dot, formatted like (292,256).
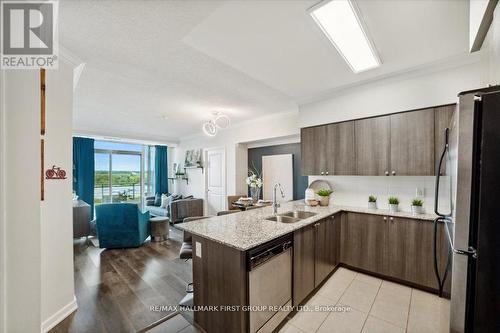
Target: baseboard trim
(59,316)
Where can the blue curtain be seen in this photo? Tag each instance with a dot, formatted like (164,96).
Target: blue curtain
(83,170)
(161,170)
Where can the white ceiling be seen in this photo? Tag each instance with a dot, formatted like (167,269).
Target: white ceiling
(185,59)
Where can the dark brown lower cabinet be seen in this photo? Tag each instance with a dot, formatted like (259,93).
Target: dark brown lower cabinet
(315,255)
(396,247)
(303,263)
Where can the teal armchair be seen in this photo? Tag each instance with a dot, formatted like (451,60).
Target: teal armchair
(121,225)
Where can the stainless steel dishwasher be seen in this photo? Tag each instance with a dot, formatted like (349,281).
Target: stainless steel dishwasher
(270,284)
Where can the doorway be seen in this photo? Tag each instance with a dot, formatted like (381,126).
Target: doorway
(215,180)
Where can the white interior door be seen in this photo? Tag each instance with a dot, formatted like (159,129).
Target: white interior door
(277,169)
(216,180)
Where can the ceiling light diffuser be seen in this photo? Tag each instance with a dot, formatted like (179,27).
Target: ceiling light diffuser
(222,121)
(341,24)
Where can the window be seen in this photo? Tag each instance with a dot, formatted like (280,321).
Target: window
(123,172)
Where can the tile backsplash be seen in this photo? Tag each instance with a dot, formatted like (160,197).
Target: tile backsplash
(354,190)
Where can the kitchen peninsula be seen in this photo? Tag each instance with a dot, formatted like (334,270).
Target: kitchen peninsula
(358,238)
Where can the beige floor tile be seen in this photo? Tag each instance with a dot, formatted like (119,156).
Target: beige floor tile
(343,322)
(360,295)
(392,305)
(345,273)
(368,279)
(289,328)
(428,313)
(399,288)
(375,325)
(309,321)
(334,288)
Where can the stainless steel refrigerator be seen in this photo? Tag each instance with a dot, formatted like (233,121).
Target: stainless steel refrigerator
(472,215)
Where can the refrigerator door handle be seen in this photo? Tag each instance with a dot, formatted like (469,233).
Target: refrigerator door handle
(438,175)
(470,252)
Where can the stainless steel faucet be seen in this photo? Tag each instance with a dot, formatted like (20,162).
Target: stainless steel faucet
(275,201)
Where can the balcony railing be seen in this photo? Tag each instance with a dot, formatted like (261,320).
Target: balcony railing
(119,193)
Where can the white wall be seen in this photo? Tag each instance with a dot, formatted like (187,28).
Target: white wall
(21,111)
(354,190)
(490,52)
(272,126)
(37,250)
(56,211)
(393,95)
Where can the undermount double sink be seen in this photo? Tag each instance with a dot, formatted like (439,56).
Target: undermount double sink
(291,217)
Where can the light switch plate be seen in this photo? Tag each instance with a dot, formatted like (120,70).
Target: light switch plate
(198,249)
(420,192)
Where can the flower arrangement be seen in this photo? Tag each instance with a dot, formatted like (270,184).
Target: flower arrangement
(416,206)
(372,202)
(393,204)
(324,195)
(254,181)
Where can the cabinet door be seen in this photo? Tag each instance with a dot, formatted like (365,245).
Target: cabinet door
(372,141)
(325,245)
(312,147)
(351,239)
(340,152)
(412,143)
(442,119)
(374,240)
(419,253)
(396,247)
(303,263)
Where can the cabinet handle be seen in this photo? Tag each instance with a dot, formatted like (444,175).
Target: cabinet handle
(326,173)
(385,218)
(322,173)
(393,172)
(387,173)
(392,219)
(316,224)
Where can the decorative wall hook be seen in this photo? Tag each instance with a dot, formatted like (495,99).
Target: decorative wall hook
(55,173)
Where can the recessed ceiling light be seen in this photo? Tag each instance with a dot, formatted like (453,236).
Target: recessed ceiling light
(340,23)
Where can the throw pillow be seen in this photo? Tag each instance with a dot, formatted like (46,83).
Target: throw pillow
(165,201)
(157,200)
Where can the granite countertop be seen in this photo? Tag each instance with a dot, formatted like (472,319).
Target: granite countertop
(247,229)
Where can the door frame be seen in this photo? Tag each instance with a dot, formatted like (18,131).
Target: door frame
(224,176)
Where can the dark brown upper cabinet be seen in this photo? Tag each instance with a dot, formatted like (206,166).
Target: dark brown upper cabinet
(340,149)
(373,139)
(313,157)
(400,144)
(328,149)
(443,117)
(412,143)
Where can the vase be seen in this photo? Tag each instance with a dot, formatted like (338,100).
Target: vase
(415,210)
(372,205)
(393,208)
(324,201)
(255,194)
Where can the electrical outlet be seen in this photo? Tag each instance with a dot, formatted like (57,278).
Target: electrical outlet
(419,192)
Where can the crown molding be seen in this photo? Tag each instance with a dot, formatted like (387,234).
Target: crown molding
(456,61)
(120,137)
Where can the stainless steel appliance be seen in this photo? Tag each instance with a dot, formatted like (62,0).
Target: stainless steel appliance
(472,221)
(270,284)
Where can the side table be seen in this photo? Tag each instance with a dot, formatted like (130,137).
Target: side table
(159,228)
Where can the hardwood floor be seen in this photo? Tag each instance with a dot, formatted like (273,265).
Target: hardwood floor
(115,288)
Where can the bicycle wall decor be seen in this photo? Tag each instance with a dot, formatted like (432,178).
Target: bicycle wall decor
(55,173)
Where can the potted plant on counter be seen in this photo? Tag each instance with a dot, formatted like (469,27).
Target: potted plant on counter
(372,202)
(393,204)
(416,206)
(324,195)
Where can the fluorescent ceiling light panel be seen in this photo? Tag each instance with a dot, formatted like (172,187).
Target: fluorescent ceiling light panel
(341,24)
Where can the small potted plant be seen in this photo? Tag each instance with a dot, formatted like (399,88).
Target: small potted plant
(393,204)
(372,202)
(324,195)
(416,206)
